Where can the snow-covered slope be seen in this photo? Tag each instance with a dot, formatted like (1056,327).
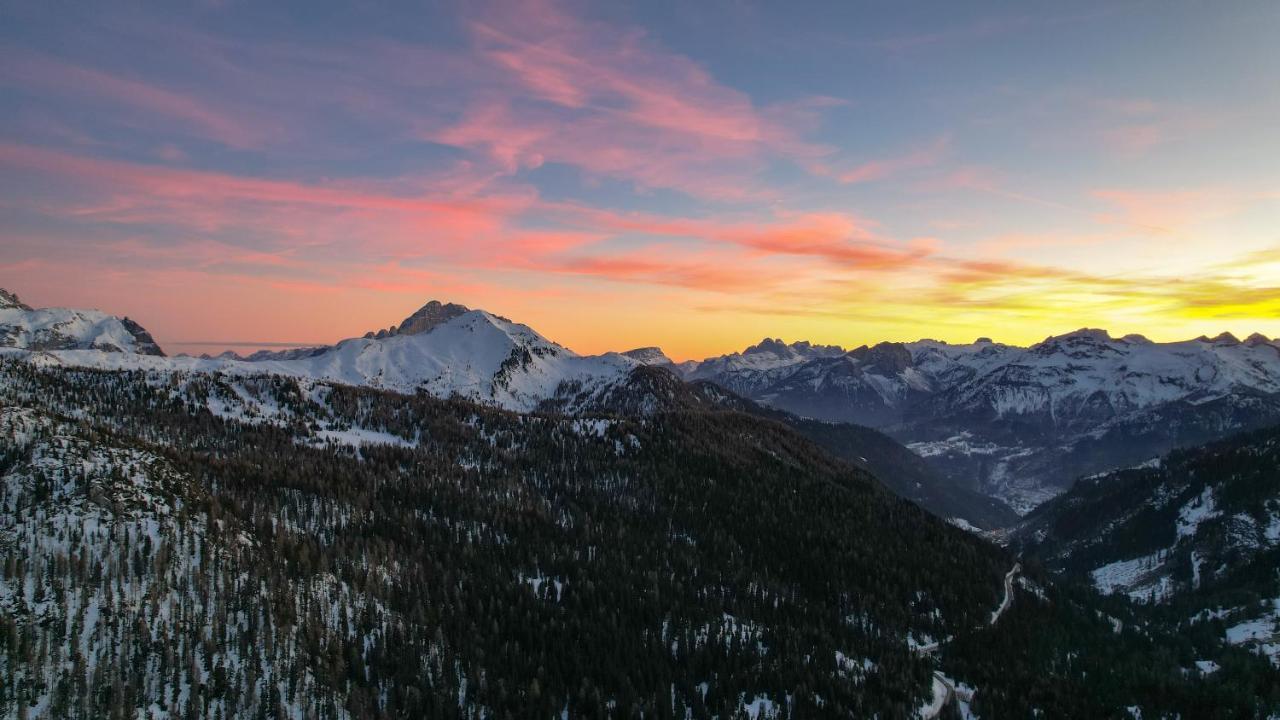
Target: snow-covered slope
(443,350)
(475,354)
(22,326)
(869,385)
(1081,378)
(759,366)
(1022,423)
(1076,379)
(1019,424)
(1199,525)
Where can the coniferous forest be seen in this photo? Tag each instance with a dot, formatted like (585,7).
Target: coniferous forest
(198,546)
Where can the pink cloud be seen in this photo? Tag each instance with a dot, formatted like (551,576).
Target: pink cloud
(614,103)
(838,238)
(133,193)
(538,84)
(146,100)
(661,265)
(345,234)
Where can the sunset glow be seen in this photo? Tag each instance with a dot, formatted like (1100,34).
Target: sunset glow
(694,176)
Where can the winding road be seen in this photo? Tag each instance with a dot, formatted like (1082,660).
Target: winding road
(945,686)
(1008,593)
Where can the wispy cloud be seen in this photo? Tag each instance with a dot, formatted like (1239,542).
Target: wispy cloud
(142,103)
(615,103)
(921,157)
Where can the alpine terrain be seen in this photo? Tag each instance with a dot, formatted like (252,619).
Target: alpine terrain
(1021,424)
(456,517)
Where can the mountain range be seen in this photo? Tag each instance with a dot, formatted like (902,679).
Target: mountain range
(1021,424)
(457,517)
(1015,424)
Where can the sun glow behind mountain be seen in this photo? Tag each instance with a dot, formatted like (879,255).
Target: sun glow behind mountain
(690,177)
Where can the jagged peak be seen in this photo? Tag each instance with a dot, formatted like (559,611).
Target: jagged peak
(1136,339)
(781,348)
(769,345)
(9,300)
(430,315)
(1225,338)
(424,319)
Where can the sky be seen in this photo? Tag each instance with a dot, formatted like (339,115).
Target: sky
(695,176)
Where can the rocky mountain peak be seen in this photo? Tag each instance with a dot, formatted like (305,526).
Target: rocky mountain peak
(649,356)
(424,319)
(430,315)
(145,343)
(1085,342)
(773,346)
(10,300)
(888,358)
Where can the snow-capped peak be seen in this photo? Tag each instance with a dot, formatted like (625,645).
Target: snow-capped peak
(26,328)
(448,350)
(444,350)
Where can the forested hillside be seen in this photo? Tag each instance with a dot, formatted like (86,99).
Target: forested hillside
(1196,533)
(201,546)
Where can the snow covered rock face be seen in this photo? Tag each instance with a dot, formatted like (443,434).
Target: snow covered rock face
(755,369)
(429,316)
(1018,424)
(1076,380)
(1022,423)
(475,355)
(65,329)
(9,301)
(650,356)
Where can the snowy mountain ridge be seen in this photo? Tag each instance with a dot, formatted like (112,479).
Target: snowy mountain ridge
(1016,423)
(759,366)
(442,349)
(1021,423)
(26,328)
(1048,377)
